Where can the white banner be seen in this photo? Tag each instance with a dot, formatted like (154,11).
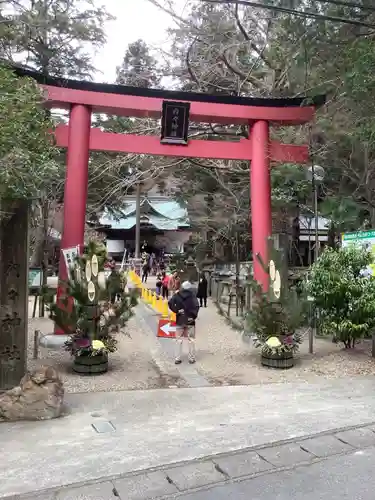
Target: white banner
(70,256)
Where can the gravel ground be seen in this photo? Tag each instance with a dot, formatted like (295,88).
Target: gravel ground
(225,359)
(131,366)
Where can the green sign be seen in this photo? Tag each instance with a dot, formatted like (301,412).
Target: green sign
(359,235)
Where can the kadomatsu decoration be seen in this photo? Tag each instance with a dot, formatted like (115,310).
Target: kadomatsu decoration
(276,316)
(92,311)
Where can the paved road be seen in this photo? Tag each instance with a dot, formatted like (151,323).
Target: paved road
(336,466)
(140,430)
(349,477)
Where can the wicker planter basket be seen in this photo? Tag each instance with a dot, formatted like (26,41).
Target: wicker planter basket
(279,361)
(91,365)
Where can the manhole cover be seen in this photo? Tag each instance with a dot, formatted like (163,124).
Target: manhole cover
(102,427)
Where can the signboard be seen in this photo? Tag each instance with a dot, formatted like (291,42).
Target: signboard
(364,239)
(35,277)
(166,329)
(70,255)
(175,122)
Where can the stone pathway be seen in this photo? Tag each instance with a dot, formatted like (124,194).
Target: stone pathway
(188,372)
(176,480)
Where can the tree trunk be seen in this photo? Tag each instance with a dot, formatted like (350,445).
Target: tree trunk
(44,260)
(36,236)
(13,292)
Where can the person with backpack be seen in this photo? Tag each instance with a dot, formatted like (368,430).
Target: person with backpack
(185,305)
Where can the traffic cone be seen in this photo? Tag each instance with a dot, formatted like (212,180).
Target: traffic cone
(164,308)
(159,305)
(172,316)
(153,300)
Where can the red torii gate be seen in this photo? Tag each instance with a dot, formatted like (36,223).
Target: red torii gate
(84,98)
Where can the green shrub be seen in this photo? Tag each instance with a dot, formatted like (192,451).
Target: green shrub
(343,294)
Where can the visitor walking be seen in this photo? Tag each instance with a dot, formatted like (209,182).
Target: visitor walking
(174,282)
(165,285)
(114,284)
(153,264)
(202,291)
(159,284)
(185,305)
(145,271)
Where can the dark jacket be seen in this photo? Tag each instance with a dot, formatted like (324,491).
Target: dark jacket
(145,268)
(202,289)
(114,283)
(186,306)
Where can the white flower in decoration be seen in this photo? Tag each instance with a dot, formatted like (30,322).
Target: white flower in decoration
(94,266)
(102,280)
(273,342)
(97,345)
(91,291)
(277,285)
(272,270)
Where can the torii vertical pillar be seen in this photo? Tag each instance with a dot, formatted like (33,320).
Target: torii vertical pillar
(76,182)
(261,218)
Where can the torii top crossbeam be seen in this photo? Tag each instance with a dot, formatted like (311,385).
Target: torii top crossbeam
(143,102)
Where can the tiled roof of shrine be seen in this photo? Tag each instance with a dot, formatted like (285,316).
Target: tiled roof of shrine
(163,214)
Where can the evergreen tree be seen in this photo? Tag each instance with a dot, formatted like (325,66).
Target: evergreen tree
(139,67)
(56,37)
(27,155)
(234,49)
